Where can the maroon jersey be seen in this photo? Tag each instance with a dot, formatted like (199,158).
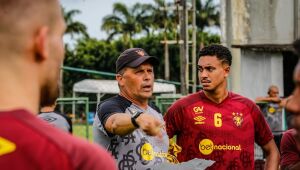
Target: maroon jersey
(223,132)
(29,143)
(289,148)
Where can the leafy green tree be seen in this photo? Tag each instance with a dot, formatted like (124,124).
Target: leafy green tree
(124,21)
(162,19)
(143,15)
(123,26)
(101,55)
(74,27)
(207,14)
(90,54)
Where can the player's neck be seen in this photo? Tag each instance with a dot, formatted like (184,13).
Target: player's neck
(217,96)
(18,90)
(47,109)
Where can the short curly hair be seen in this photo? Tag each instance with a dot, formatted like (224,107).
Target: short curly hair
(221,52)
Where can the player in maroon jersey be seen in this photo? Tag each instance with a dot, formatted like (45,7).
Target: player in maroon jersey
(290,157)
(217,124)
(31,54)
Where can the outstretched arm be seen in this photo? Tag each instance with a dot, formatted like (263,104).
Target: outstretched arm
(268,99)
(121,124)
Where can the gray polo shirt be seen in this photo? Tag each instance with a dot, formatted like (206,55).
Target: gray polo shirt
(136,150)
(57,120)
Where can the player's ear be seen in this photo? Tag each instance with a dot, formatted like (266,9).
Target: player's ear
(41,44)
(120,79)
(226,70)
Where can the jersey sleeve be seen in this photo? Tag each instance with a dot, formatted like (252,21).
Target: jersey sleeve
(263,133)
(173,120)
(105,110)
(108,108)
(289,151)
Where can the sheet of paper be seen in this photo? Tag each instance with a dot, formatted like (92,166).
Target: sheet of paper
(194,164)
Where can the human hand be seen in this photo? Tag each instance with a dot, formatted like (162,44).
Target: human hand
(150,124)
(285,101)
(275,99)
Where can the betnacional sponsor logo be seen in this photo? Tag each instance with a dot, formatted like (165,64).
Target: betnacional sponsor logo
(149,154)
(206,147)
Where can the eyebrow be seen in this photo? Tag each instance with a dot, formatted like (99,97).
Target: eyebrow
(140,67)
(205,66)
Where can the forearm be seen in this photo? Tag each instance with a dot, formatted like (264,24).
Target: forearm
(120,124)
(272,162)
(268,99)
(262,99)
(272,158)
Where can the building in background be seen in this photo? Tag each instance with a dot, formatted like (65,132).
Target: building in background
(260,34)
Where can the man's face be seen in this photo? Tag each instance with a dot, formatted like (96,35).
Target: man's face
(212,72)
(50,90)
(138,82)
(274,92)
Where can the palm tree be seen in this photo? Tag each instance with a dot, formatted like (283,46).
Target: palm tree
(74,27)
(162,18)
(144,15)
(165,21)
(207,14)
(125,21)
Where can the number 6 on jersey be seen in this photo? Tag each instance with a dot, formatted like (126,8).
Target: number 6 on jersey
(218,119)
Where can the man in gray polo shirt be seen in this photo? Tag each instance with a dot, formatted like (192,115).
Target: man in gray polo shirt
(55,118)
(126,124)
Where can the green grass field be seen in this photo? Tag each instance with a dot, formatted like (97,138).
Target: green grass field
(80,131)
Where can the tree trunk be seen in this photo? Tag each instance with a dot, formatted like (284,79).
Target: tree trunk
(183,60)
(167,62)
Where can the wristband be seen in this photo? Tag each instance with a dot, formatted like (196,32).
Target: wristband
(134,116)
